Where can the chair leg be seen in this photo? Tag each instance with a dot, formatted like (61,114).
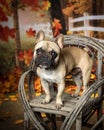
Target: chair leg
(98,123)
(99,115)
(26,122)
(79,122)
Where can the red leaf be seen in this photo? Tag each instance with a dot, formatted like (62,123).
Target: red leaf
(21,56)
(42,15)
(5,32)
(30,2)
(30,32)
(3,16)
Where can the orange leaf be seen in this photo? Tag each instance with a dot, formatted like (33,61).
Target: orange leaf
(30,32)
(56,26)
(46,5)
(28,56)
(18,122)
(42,15)
(68,10)
(13,98)
(21,56)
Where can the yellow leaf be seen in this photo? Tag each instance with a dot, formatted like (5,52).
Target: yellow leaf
(38,94)
(43,115)
(46,5)
(11,77)
(6,99)
(68,10)
(69,32)
(94,95)
(18,122)
(13,98)
(7,84)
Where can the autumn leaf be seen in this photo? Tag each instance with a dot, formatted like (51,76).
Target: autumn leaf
(6,99)
(21,56)
(30,2)
(93,76)
(69,32)
(13,98)
(56,25)
(28,56)
(3,17)
(5,33)
(42,15)
(69,10)
(46,5)
(37,86)
(30,32)
(6,9)
(7,84)
(18,121)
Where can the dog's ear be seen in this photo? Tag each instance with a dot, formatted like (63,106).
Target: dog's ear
(60,40)
(40,36)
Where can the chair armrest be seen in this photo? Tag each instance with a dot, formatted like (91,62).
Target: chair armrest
(25,102)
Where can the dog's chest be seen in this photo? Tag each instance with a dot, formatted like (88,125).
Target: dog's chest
(49,76)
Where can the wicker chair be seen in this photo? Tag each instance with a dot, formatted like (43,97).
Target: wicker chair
(75,109)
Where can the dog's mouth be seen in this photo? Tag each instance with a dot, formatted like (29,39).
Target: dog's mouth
(44,62)
(44,65)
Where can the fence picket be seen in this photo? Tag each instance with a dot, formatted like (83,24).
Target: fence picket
(86,28)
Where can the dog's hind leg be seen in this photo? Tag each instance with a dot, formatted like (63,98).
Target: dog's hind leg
(78,80)
(86,77)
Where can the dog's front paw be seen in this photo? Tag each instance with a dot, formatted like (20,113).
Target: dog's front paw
(59,104)
(46,100)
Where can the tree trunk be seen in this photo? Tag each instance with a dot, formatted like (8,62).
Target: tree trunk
(16,25)
(56,12)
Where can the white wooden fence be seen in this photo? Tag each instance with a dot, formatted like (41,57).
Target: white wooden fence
(86,26)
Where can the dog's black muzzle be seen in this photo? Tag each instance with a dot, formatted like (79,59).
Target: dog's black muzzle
(45,61)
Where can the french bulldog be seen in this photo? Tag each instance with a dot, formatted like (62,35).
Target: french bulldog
(54,61)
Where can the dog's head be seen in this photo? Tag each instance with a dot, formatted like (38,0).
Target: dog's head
(47,53)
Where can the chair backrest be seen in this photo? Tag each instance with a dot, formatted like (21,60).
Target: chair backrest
(96,47)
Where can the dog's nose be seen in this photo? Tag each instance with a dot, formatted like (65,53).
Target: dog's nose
(45,56)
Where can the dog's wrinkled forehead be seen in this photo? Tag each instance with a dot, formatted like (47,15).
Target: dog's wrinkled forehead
(47,46)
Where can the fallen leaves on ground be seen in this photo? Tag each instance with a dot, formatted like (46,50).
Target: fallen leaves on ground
(13,98)
(18,122)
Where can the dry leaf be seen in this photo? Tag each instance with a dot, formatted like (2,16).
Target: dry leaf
(46,5)
(6,99)
(56,26)
(18,122)
(68,10)
(13,98)
(30,32)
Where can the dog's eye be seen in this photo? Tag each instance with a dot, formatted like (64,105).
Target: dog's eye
(53,53)
(39,51)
